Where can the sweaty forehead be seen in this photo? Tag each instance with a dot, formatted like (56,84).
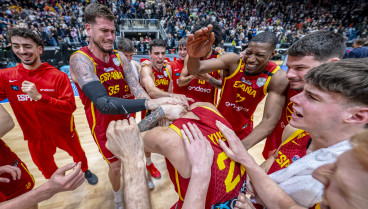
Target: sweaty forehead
(158,49)
(104,23)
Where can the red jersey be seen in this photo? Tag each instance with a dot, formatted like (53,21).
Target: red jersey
(162,79)
(177,67)
(294,148)
(15,187)
(111,75)
(273,141)
(201,90)
(52,114)
(241,94)
(227,176)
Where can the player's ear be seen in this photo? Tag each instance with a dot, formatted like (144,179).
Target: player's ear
(357,115)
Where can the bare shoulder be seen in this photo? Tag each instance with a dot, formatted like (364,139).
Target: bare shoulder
(160,138)
(231,61)
(287,132)
(82,69)
(279,82)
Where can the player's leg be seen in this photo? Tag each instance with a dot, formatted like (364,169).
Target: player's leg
(43,156)
(73,147)
(115,180)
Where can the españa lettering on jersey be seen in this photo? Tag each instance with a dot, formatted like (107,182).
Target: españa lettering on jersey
(241,94)
(227,176)
(162,79)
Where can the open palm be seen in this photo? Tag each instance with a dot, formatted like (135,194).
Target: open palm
(200,43)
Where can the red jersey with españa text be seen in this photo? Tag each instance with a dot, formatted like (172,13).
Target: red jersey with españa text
(294,148)
(273,141)
(227,176)
(201,90)
(177,67)
(111,76)
(162,79)
(52,114)
(241,94)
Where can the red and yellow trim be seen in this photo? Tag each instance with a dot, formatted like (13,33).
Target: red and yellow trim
(293,136)
(265,87)
(229,77)
(93,131)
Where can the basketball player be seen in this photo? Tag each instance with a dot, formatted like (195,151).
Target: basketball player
(177,66)
(203,87)
(126,46)
(105,84)
(332,108)
(42,100)
(310,51)
(246,82)
(168,142)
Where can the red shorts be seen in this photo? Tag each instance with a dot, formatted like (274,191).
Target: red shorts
(16,187)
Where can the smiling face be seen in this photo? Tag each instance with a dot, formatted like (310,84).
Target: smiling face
(28,51)
(297,68)
(158,55)
(257,56)
(182,51)
(315,110)
(345,181)
(102,34)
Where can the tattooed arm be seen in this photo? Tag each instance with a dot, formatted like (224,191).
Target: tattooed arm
(131,80)
(82,69)
(171,112)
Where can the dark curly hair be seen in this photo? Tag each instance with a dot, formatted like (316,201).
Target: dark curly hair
(25,33)
(216,29)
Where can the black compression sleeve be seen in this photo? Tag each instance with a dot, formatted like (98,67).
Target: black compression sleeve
(97,93)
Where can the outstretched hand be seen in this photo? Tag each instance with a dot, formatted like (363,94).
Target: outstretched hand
(200,43)
(60,182)
(236,151)
(173,112)
(15,172)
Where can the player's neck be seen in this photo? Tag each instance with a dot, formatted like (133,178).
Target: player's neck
(96,51)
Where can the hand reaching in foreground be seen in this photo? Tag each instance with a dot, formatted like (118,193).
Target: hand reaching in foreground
(197,147)
(60,182)
(124,139)
(243,202)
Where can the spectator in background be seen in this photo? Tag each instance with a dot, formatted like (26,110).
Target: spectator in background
(142,47)
(359,51)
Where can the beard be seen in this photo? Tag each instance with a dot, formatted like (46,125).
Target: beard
(100,47)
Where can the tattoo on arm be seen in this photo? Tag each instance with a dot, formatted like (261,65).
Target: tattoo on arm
(131,80)
(216,83)
(82,69)
(151,121)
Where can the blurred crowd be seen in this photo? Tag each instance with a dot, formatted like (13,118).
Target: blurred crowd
(63,21)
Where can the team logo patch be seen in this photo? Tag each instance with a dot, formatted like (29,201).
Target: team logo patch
(177,74)
(261,82)
(246,81)
(14,88)
(295,158)
(245,126)
(116,61)
(165,73)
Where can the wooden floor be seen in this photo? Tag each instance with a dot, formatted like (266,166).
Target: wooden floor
(99,196)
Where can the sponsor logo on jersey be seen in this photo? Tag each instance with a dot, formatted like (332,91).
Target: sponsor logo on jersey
(49,90)
(261,82)
(11,81)
(165,73)
(236,107)
(247,89)
(246,81)
(108,69)
(160,76)
(24,97)
(116,61)
(200,89)
(14,88)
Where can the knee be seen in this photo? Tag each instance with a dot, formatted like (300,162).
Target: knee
(115,167)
